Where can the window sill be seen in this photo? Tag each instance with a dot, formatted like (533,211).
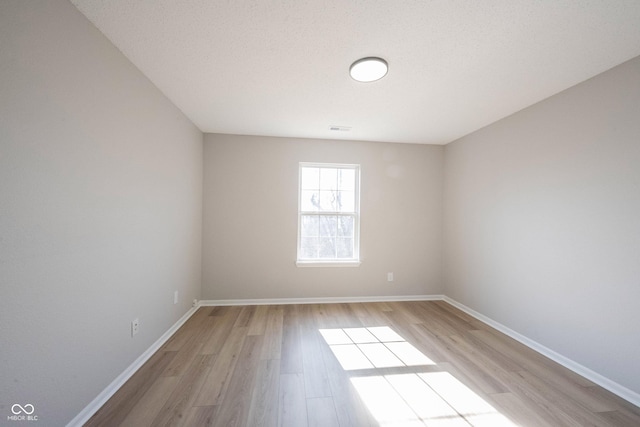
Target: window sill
(314,263)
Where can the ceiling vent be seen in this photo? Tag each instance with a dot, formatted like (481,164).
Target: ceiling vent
(340,128)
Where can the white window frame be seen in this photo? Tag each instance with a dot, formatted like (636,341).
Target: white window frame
(331,262)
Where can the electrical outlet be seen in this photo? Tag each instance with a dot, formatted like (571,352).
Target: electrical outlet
(390,277)
(135,326)
(195,303)
(175,297)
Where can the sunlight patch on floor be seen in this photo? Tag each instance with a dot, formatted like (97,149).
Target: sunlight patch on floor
(431,398)
(379,355)
(386,406)
(475,409)
(410,355)
(366,348)
(425,402)
(350,357)
(438,400)
(360,335)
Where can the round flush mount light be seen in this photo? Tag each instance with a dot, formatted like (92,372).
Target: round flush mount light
(368,69)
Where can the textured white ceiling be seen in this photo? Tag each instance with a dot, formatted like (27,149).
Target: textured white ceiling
(280,68)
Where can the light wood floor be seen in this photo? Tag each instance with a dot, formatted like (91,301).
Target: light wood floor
(392,364)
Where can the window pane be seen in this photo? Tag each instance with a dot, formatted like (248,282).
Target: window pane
(310,226)
(347,201)
(328,179)
(345,247)
(309,247)
(345,226)
(346,179)
(328,226)
(328,201)
(310,201)
(327,247)
(310,178)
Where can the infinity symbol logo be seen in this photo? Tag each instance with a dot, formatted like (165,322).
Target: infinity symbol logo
(18,409)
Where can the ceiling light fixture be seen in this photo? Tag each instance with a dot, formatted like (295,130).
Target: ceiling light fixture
(368,69)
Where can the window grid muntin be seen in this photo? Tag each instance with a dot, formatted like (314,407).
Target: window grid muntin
(336,236)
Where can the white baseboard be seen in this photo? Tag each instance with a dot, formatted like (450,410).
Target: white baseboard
(602,381)
(115,385)
(320,300)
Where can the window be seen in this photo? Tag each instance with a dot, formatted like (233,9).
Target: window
(328,214)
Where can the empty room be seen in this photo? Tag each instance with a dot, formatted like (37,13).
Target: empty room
(319,213)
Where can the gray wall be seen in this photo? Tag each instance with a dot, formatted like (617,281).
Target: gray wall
(542,223)
(250,219)
(100,210)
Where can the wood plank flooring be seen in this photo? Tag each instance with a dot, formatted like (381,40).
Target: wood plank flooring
(360,364)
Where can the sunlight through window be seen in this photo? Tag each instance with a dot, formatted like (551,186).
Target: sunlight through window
(475,409)
(425,402)
(360,335)
(335,336)
(379,355)
(418,398)
(366,348)
(350,357)
(409,355)
(385,334)
(388,408)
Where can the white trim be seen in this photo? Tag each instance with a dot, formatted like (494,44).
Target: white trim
(355,214)
(316,263)
(321,300)
(602,381)
(330,165)
(115,385)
